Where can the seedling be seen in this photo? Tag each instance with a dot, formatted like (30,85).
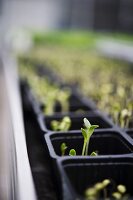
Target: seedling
(125,117)
(87,132)
(63,148)
(94,153)
(63,125)
(72,152)
(63,98)
(100,191)
(120,193)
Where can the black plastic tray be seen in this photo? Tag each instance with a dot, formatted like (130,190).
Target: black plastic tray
(75,174)
(76,103)
(130,132)
(108,143)
(79,174)
(76,120)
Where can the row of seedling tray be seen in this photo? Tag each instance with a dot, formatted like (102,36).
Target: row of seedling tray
(106,174)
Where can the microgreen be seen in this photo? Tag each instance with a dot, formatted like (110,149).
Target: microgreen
(94,153)
(87,132)
(100,191)
(63,125)
(63,148)
(72,152)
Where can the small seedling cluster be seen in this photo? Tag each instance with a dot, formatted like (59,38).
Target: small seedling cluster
(48,94)
(110,82)
(63,125)
(100,190)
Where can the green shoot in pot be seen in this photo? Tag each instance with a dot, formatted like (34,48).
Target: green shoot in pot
(87,132)
(100,191)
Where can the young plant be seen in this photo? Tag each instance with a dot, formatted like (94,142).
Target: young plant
(120,193)
(63,97)
(72,152)
(87,132)
(63,125)
(63,148)
(125,116)
(100,191)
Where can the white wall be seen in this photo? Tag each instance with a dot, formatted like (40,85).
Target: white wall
(40,14)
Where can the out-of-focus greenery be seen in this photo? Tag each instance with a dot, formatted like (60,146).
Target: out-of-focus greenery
(107,82)
(76,39)
(67,39)
(46,92)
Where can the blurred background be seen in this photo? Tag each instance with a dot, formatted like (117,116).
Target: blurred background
(99,15)
(63,34)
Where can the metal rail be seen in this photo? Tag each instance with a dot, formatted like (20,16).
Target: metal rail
(16,181)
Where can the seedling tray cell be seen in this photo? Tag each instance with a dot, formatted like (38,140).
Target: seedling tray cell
(76,121)
(76,105)
(106,143)
(81,174)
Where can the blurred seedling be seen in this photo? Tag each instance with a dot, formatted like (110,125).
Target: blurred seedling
(63,125)
(101,190)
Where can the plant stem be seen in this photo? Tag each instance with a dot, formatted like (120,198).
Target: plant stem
(105,194)
(127,123)
(87,147)
(84,147)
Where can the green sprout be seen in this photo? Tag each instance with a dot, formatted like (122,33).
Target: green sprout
(100,189)
(87,132)
(63,148)
(93,193)
(120,193)
(94,153)
(63,125)
(63,98)
(72,152)
(125,116)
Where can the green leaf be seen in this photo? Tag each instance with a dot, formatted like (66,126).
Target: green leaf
(84,133)
(72,152)
(54,125)
(94,126)
(91,129)
(93,153)
(65,124)
(87,123)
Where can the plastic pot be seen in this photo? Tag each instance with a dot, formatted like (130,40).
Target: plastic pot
(76,120)
(79,174)
(107,143)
